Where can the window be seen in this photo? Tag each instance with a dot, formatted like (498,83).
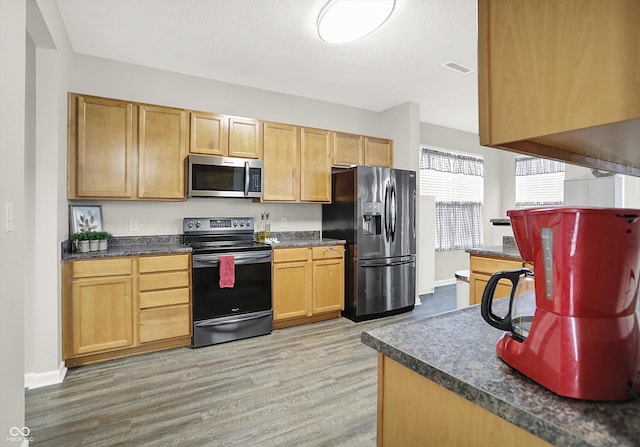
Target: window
(457,182)
(539,182)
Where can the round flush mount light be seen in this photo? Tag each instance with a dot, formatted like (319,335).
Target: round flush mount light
(342,21)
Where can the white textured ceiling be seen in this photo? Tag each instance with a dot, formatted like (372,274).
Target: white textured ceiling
(273,45)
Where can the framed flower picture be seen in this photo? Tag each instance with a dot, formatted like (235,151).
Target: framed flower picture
(83,218)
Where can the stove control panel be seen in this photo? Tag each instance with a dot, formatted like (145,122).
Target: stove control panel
(217,224)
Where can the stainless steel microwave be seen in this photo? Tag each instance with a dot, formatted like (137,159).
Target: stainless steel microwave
(211,176)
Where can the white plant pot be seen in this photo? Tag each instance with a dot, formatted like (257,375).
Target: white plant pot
(83,246)
(94,245)
(104,243)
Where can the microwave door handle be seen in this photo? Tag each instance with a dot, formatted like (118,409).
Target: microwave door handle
(246,178)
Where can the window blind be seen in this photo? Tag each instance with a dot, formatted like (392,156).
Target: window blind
(457,182)
(539,182)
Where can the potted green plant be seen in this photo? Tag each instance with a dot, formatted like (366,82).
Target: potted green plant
(94,242)
(80,242)
(103,237)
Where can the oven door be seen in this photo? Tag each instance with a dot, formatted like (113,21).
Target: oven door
(250,293)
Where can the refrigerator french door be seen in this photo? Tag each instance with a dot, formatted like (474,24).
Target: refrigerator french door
(373,208)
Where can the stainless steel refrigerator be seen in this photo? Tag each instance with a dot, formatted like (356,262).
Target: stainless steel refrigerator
(373,209)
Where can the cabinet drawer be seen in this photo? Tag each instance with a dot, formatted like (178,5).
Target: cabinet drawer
(152,264)
(164,322)
(170,280)
(164,297)
(328,252)
(492,265)
(101,267)
(290,254)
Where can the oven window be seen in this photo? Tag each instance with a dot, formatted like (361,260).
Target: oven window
(251,292)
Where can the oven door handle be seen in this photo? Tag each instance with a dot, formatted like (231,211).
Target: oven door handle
(239,259)
(239,319)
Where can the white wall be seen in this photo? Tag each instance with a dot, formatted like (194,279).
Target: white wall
(12,191)
(499,189)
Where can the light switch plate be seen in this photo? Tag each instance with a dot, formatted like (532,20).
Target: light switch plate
(8,227)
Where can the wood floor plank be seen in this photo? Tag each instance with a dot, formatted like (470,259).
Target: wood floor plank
(310,385)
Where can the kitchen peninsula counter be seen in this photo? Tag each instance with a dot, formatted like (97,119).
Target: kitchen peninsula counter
(456,352)
(496,251)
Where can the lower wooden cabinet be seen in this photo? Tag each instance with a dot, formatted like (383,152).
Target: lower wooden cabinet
(100,306)
(308,284)
(121,306)
(481,269)
(414,411)
(164,297)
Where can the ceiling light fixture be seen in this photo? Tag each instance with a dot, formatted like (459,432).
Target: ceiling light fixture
(342,21)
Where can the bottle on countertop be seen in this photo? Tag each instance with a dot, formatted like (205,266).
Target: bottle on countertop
(267,228)
(260,233)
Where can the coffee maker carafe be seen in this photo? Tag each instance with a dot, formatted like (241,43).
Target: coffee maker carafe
(571,323)
(522,303)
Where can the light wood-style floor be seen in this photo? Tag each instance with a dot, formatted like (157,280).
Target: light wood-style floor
(312,385)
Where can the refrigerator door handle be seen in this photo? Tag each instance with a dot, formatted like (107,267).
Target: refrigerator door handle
(394,211)
(388,264)
(387,217)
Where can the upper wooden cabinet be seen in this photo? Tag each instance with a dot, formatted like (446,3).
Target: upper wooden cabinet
(281,159)
(378,152)
(208,134)
(226,136)
(559,80)
(124,150)
(315,165)
(101,148)
(297,164)
(162,149)
(350,150)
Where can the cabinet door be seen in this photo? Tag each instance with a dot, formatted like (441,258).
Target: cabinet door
(281,159)
(315,165)
(348,149)
(208,134)
(100,148)
(378,152)
(291,290)
(328,285)
(161,152)
(481,269)
(244,138)
(101,314)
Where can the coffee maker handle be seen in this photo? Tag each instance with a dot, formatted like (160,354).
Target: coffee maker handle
(494,320)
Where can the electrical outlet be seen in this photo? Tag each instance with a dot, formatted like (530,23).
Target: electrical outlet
(133,225)
(283,222)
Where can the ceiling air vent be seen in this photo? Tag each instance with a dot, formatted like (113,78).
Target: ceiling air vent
(457,68)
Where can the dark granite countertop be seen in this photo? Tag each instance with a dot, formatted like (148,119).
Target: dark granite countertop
(167,244)
(289,243)
(457,351)
(132,246)
(499,251)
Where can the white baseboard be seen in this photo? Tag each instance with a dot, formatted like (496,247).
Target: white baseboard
(445,282)
(37,380)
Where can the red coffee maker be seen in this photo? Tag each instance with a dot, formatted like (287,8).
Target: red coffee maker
(581,338)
